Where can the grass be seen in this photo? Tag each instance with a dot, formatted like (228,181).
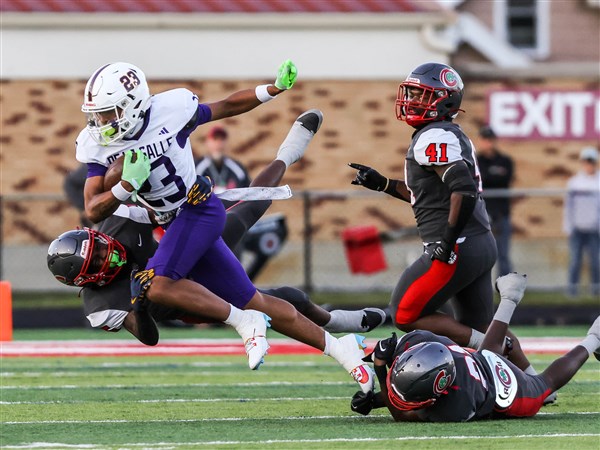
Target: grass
(292,402)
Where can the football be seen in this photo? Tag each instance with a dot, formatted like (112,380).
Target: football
(113,174)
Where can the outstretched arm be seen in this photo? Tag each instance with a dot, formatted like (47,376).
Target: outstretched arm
(371,179)
(248,99)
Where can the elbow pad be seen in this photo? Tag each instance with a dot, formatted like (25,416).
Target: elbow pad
(458,179)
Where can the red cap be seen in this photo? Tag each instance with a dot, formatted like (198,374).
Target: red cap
(217,132)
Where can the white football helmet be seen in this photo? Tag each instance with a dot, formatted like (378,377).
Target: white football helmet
(115,100)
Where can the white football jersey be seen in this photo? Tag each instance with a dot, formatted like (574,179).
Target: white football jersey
(165,142)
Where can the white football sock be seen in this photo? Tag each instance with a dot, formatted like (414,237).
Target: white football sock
(235,317)
(344,321)
(476,339)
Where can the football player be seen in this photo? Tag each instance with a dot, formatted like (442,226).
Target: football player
(443,185)
(431,378)
(218,278)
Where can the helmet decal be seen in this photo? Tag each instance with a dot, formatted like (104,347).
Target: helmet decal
(503,375)
(441,382)
(449,78)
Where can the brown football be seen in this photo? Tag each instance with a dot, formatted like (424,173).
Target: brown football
(113,174)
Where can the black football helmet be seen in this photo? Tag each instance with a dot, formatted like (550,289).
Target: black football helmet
(420,375)
(431,92)
(81,257)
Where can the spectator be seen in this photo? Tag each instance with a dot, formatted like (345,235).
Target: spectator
(582,220)
(496,173)
(73,188)
(226,172)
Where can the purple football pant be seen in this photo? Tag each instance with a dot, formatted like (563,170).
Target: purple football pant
(193,248)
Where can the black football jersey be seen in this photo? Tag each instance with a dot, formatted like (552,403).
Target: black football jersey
(108,305)
(471,396)
(440,143)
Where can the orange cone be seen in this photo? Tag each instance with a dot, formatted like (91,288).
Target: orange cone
(6,326)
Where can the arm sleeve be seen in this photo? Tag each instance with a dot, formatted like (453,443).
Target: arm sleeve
(109,319)
(133,213)
(417,337)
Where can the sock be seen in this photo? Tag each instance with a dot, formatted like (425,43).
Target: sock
(294,145)
(505,310)
(590,343)
(235,317)
(476,339)
(329,343)
(344,321)
(530,371)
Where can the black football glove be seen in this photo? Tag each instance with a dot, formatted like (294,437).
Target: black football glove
(362,403)
(369,178)
(443,251)
(200,191)
(140,283)
(384,350)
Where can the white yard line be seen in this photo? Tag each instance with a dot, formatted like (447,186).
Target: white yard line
(39,445)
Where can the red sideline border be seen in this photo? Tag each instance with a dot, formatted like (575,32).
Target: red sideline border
(213,347)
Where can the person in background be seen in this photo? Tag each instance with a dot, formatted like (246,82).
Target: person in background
(226,172)
(73,189)
(582,220)
(497,172)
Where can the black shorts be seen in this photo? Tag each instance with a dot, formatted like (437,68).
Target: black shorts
(426,285)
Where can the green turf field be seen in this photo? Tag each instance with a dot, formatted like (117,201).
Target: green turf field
(216,402)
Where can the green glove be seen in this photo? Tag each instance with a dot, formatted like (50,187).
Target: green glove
(136,168)
(286,75)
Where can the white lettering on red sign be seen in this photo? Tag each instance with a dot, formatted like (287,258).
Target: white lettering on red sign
(531,114)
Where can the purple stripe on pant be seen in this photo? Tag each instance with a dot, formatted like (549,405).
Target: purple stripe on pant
(193,248)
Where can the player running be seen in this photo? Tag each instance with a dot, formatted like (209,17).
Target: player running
(218,275)
(433,379)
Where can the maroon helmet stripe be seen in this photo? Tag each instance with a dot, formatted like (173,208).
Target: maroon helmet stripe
(93,79)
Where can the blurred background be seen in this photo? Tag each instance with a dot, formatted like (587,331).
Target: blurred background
(532,75)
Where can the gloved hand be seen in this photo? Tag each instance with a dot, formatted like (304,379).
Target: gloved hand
(362,403)
(384,350)
(286,75)
(200,191)
(369,178)
(136,168)
(443,251)
(141,280)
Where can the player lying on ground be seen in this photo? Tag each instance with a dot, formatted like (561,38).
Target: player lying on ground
(431,378)
(126,239)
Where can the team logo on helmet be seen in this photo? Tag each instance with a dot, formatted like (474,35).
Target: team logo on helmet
(503,375)
(449,78)
(441,382)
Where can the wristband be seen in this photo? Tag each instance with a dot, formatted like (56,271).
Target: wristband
(263,94)
(120,192)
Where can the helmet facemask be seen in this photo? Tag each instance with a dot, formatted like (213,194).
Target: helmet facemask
(424,108)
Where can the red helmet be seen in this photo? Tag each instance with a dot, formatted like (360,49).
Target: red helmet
(81,257)
(431,92)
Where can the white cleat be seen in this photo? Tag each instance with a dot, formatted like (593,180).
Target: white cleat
(512,287)
(349,352)
(253,331)
(303,130)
